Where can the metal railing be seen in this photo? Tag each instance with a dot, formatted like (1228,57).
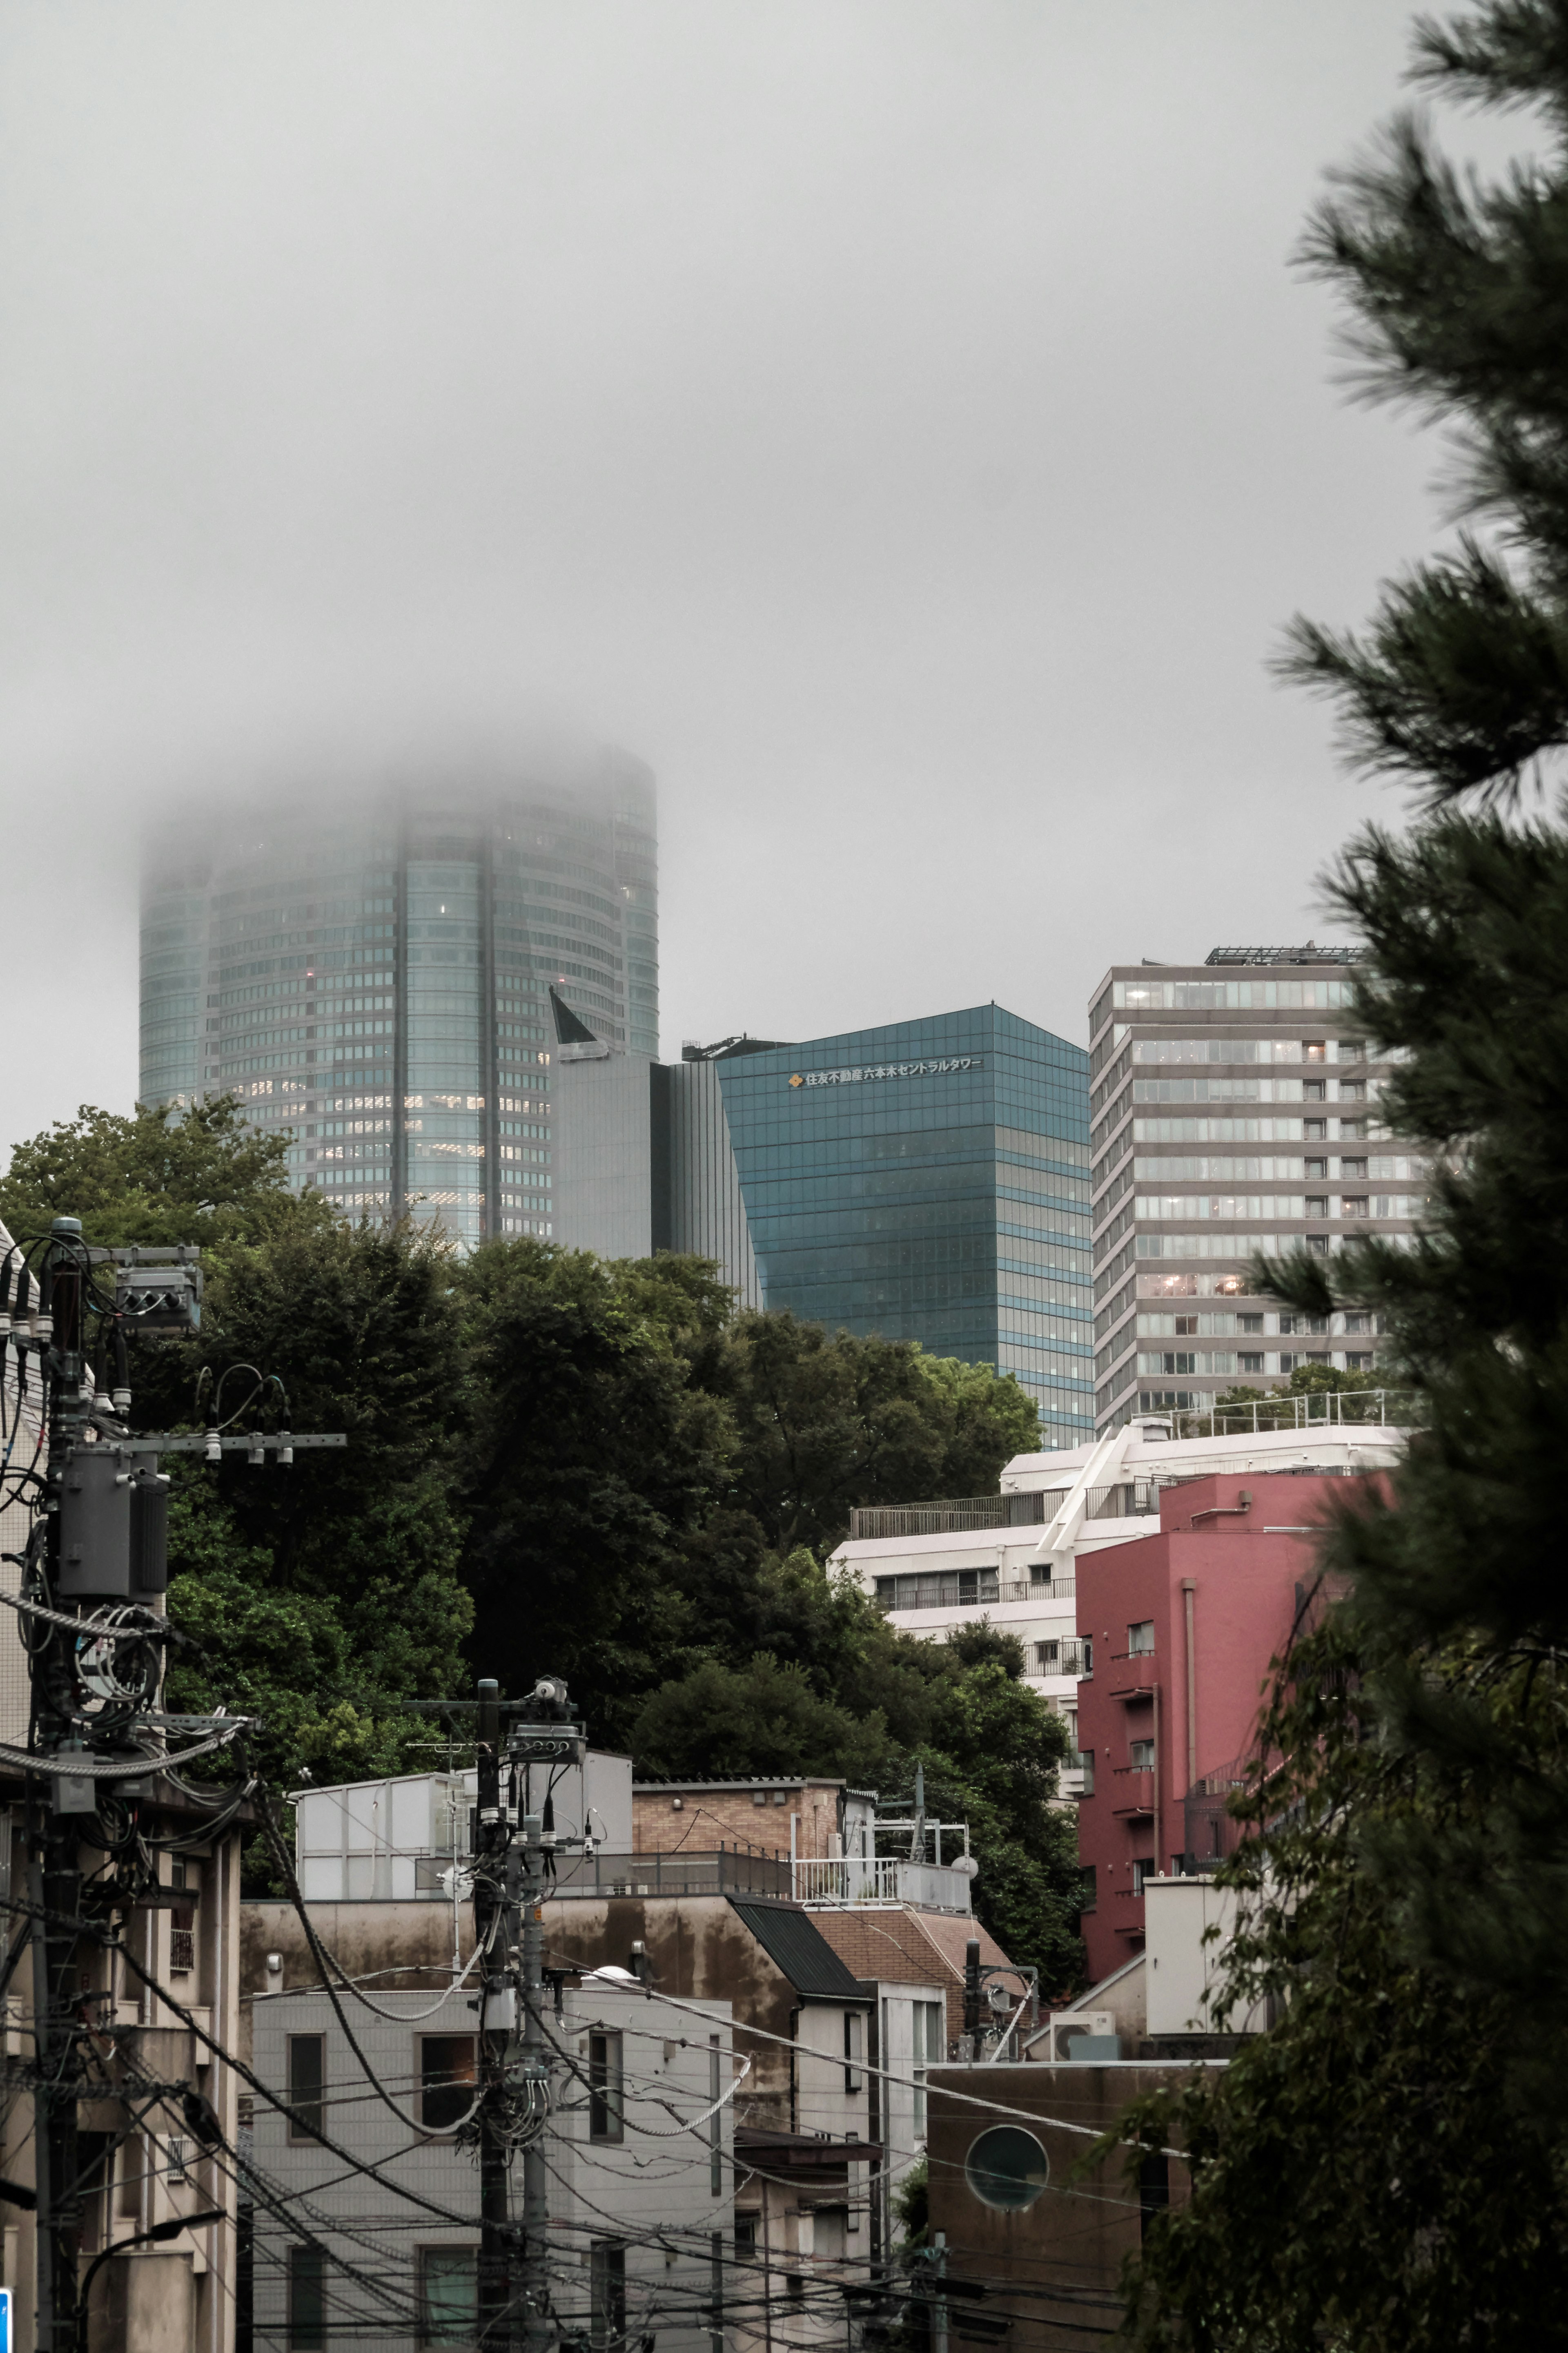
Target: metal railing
(1045,1590)
(1127,1499)
(1301,1410)
(722,1870)
(884,1879)
(952,1514)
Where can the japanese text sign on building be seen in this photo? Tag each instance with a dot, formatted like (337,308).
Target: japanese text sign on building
(930,1070)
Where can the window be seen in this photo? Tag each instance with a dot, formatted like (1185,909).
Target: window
(1314,1050)
(307,2287)
(1087,1898)
(1007,2168)
(1153,2188)
(448,2080)
(930,2050)
(854,2050)
(1317,1168)
(1351,1048)
(1315,1131)
(1354,1169)
(1250,1363)
(448,2296)
(1141,1756)
(936,1589)
(745,2238)
(1185,1324)
(1249,1322)
(607,2108)
(183,1877)
(1358,1361)
(307,2079)
(716,2121)
(1141,1639)
(1317,1205)
(1289,1323)
(1357,1324)
(1141,1871)
(1353,1205)
(607,2289)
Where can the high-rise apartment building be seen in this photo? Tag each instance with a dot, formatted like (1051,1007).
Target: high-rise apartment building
(1235,1110)
(373,972)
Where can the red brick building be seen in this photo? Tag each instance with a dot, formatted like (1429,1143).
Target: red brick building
(1183,1626)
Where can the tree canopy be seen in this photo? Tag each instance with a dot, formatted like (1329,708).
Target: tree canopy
(1409,1870)
(602,1470)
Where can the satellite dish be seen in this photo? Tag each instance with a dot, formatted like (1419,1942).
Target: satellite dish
(965,1863)
(611,1975)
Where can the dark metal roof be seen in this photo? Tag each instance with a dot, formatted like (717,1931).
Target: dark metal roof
(794,1944)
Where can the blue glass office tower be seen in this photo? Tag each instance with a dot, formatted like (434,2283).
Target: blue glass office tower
(928,1181)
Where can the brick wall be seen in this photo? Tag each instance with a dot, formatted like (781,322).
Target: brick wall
(754,1816)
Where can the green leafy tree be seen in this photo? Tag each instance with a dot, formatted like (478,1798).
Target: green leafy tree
(1413,1925)
(825,1421)
(198,1176)
(590,1456)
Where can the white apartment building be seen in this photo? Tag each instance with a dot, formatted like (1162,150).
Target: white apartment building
(1011,1557)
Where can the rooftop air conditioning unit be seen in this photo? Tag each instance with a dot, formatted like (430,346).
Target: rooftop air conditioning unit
(1071,2026)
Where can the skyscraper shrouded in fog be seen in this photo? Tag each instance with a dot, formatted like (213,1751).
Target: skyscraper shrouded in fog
(372,970)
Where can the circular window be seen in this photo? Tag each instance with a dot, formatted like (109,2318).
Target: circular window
(1007,2168)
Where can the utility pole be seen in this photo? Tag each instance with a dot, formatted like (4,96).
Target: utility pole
(94,1574)
(513,1862)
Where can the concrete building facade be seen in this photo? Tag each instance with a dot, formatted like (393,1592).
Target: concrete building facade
(371,972)
(1020,1558)
(1185,1623)
(1235,1110)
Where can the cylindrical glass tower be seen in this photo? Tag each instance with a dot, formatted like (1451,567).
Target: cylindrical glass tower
(372,975)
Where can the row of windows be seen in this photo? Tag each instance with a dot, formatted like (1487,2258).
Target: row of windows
(1385,1167)
(1252,996)
(1247,1050)
(1221,1325)
(1230,1207)
(1247,1360)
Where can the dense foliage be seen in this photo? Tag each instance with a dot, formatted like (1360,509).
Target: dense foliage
(552,1461)
(1410,1884)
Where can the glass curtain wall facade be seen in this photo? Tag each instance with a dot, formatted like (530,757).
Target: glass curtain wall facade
(374,978)
(928,1181)
(1236,1113)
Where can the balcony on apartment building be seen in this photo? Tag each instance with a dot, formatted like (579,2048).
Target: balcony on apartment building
(1129,1499)
(1132,1674)
(1132,1790)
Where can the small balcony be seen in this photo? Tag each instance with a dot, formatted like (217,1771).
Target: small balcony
(1132,1674)
(1132,1790)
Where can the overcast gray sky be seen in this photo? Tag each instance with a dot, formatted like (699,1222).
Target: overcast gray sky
(895,421)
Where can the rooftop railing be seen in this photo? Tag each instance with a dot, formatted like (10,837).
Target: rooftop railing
(860,1880)
(1129,1499)
(715,1871)
(1301,1410)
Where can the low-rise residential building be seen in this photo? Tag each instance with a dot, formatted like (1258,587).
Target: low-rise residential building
(1018,1558)
(640,2240)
